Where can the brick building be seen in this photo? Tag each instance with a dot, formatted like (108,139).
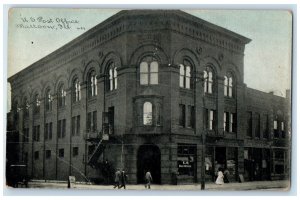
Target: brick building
(149,90)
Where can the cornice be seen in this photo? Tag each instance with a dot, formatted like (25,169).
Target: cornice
(125,21)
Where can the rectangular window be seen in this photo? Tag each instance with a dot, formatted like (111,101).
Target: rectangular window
(50,131)
(249,124)
(78,125)
(61,153)
(257,125)
(63,128)
(36,133)
(234,122)
(89,121)
(266,126)
(91,149)
(73,126)
(75,151)
(48,154)
(211,120)
(46,132)
(59,129)
(154,73)
(226,121)
(282,130)
(276,131)
(144,73)
(94,127)
(36,155)
(192,119)
(182,115)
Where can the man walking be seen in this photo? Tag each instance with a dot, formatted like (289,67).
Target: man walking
(123,179)
(117,178)
(148,179)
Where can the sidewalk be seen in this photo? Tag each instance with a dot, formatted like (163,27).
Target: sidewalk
(282,185)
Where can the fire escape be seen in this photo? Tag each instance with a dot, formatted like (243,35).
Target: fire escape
(100,139)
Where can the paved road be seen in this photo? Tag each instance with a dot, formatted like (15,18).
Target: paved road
(257,185)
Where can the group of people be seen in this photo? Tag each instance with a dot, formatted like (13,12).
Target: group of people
(121,179)
(222,176)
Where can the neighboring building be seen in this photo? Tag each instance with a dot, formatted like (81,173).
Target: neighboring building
(138,92)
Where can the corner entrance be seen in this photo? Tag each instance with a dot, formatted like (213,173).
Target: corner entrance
(148,158)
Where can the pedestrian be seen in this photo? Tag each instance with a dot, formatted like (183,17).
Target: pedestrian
(220,178)
(148,179)
(117,178)
(123,179)
(226,174)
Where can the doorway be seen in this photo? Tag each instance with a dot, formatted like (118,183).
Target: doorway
(148,158)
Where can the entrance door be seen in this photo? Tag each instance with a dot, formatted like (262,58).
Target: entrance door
(220,158)
(148,158)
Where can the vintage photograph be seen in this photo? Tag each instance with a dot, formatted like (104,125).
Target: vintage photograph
(139,99)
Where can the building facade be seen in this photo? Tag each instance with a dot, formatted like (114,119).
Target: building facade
(157,90)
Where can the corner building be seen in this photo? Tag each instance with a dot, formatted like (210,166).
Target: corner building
(149,90)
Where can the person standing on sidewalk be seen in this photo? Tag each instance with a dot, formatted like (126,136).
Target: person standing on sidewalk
(226,174)
(148,179)
(220,178)
(123,179)
(117,178)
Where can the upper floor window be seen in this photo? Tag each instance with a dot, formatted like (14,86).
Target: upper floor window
(61,96)
(208,80)
(26,108)
(92,84)
(113,77)
(48,100)
(210,119)
(275,128)
(228,86)
(37,104)
(149,72)
(147,113)
(185,76)
(76,90)
(182,115)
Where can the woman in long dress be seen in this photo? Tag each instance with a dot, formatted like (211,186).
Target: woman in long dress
(220,178)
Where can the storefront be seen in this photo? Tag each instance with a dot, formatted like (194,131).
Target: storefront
(186,163)
(223,158)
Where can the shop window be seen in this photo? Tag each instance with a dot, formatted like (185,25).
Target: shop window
(186,155)
(182,115)
(185,76)
(61,97)
(147,113)
(149,72)
(92,84)
(61,153)
(113,77)
(75,151)
(208,80)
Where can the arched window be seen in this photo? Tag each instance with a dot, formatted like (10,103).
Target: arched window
(228,86)
(208,80)
(48,100)
(113,77)
(147,113)
(26,108)
(76,90)
(185,76)
(149,72)
(37,104)
(61,96)
(92,84)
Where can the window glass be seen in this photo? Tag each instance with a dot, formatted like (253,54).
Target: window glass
(187,78)
(225,86)
(144,73)
(147,113)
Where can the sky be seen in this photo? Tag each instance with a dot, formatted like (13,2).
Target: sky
(267,61)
